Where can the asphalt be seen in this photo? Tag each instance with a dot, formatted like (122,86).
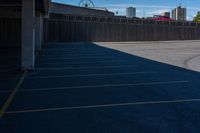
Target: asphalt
(87,88)
(181,53)
(9,71)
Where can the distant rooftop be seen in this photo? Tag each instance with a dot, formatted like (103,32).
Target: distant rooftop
(60,8)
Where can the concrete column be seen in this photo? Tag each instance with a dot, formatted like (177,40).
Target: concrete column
(38,31)
(28,34)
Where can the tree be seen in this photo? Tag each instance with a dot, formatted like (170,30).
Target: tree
(197,18)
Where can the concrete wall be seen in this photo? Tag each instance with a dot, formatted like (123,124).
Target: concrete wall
(57,8)
(111,29)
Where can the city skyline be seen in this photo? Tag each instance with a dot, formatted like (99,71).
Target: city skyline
(145,8)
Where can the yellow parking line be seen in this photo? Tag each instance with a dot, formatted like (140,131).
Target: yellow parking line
(12,95)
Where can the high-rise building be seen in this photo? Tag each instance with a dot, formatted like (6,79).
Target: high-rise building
(130,12)
(166,14)
(179,13)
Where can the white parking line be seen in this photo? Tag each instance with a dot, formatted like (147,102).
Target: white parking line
(88,75)
(103,106)
(91,67)
(81,62)
(98,86)
(74,56)
(75,52)
(69,58)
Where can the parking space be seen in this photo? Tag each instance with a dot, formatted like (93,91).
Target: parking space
(84,87)
(9,71)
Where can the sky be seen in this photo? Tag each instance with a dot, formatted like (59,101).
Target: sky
(144,8)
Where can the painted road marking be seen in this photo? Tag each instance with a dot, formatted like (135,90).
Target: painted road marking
(74,56)
(79,62)
(61,52)
(82,75)
(88,75)
(63,68)
(12,95)
(68,58)
(103,106)
(99,86)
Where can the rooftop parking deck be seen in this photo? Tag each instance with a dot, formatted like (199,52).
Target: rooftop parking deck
(87,88)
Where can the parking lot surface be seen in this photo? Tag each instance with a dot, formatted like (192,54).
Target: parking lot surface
(184,54)
(88,88)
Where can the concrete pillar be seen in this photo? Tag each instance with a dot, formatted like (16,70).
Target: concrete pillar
(28,34)
(38,31)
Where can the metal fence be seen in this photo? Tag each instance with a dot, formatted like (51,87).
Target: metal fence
(79,28)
